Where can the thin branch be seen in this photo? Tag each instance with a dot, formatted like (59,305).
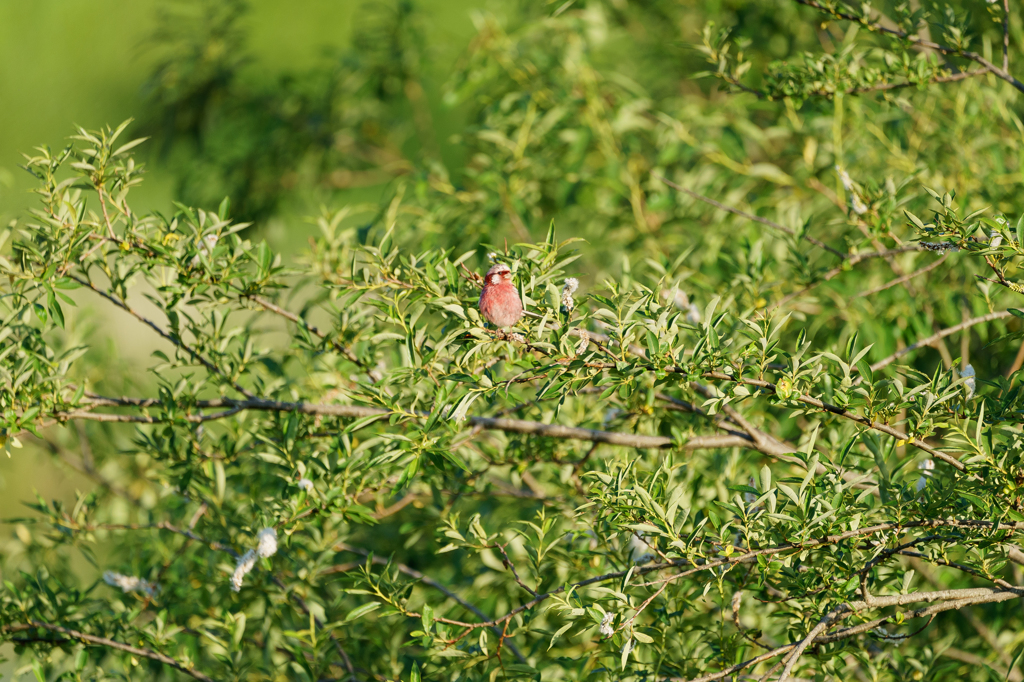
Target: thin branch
(358,412)
(966,54)
(160,525)
(743,555)
(109,643)
(904,278)
(512,567)
(927,341)
(749,216)
(425,579)
(851,259)
(1006,35)
(845,414)
(155,327)
(979,662)
(288,315)
(963,75)
(550,430)
(818,629)
(948,600)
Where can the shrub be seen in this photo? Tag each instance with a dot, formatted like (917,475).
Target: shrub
(776,430)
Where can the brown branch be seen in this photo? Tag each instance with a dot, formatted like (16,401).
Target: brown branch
(949,600)
(358,412)
(846,414)
(160,525)
(155,327)
(822,625)
(1017,361)
(288,315)
(749,216)
(109,643)
(904,278)
(978,662)
(927,341)
(851,259)
(744,555)
(512,567)
(1006,35)
(425,579)
(966,54)
(555,430)
(906,84)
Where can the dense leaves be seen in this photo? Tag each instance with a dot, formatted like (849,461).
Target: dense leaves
(775,431)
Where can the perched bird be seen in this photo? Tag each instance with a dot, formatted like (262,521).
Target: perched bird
(499,300)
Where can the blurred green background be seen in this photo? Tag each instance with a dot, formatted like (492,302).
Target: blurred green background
(90,63)
(67,63)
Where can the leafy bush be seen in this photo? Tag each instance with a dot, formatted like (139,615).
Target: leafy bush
(775,431)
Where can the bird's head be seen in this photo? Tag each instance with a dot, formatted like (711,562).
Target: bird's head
(498,274)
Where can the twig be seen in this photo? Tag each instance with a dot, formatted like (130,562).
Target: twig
(966,54)
(744,555)
(512,567)
(904,278)
(851,259)
(1017,361)
(1006,35)
(749,216)
(160,525)
(103,641)
(425,579)
(358,412)
(288,315)
(155,327)
(927,341)
(963,75)
(818,629)
(949,600)
(845,414)
(979,662)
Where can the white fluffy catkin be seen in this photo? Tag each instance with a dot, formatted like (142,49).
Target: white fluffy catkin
(128,583)
(245,564)
(568,289)
(266,543)
(266,546)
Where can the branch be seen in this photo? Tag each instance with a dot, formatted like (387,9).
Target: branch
(846,414)
(155,327)
(744,555)
(851,259)
(425,579)
(927,341)
(347,352)
(103,641)
(818,629)
(735,439)
(978,662)
(904,278)
(1006,35)
(749,216)
(949,600)
(522,426)
(160,525)
(944,49)
(963,75)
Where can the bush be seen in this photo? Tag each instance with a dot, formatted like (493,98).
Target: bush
(763,415)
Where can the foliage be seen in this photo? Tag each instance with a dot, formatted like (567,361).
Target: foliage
(744,446)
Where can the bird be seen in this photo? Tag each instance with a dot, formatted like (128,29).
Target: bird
(499,299)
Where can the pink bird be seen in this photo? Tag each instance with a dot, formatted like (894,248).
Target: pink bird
(499,300)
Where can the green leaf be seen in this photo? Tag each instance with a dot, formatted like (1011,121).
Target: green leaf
(559,633)
(361,611)
(427,618)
